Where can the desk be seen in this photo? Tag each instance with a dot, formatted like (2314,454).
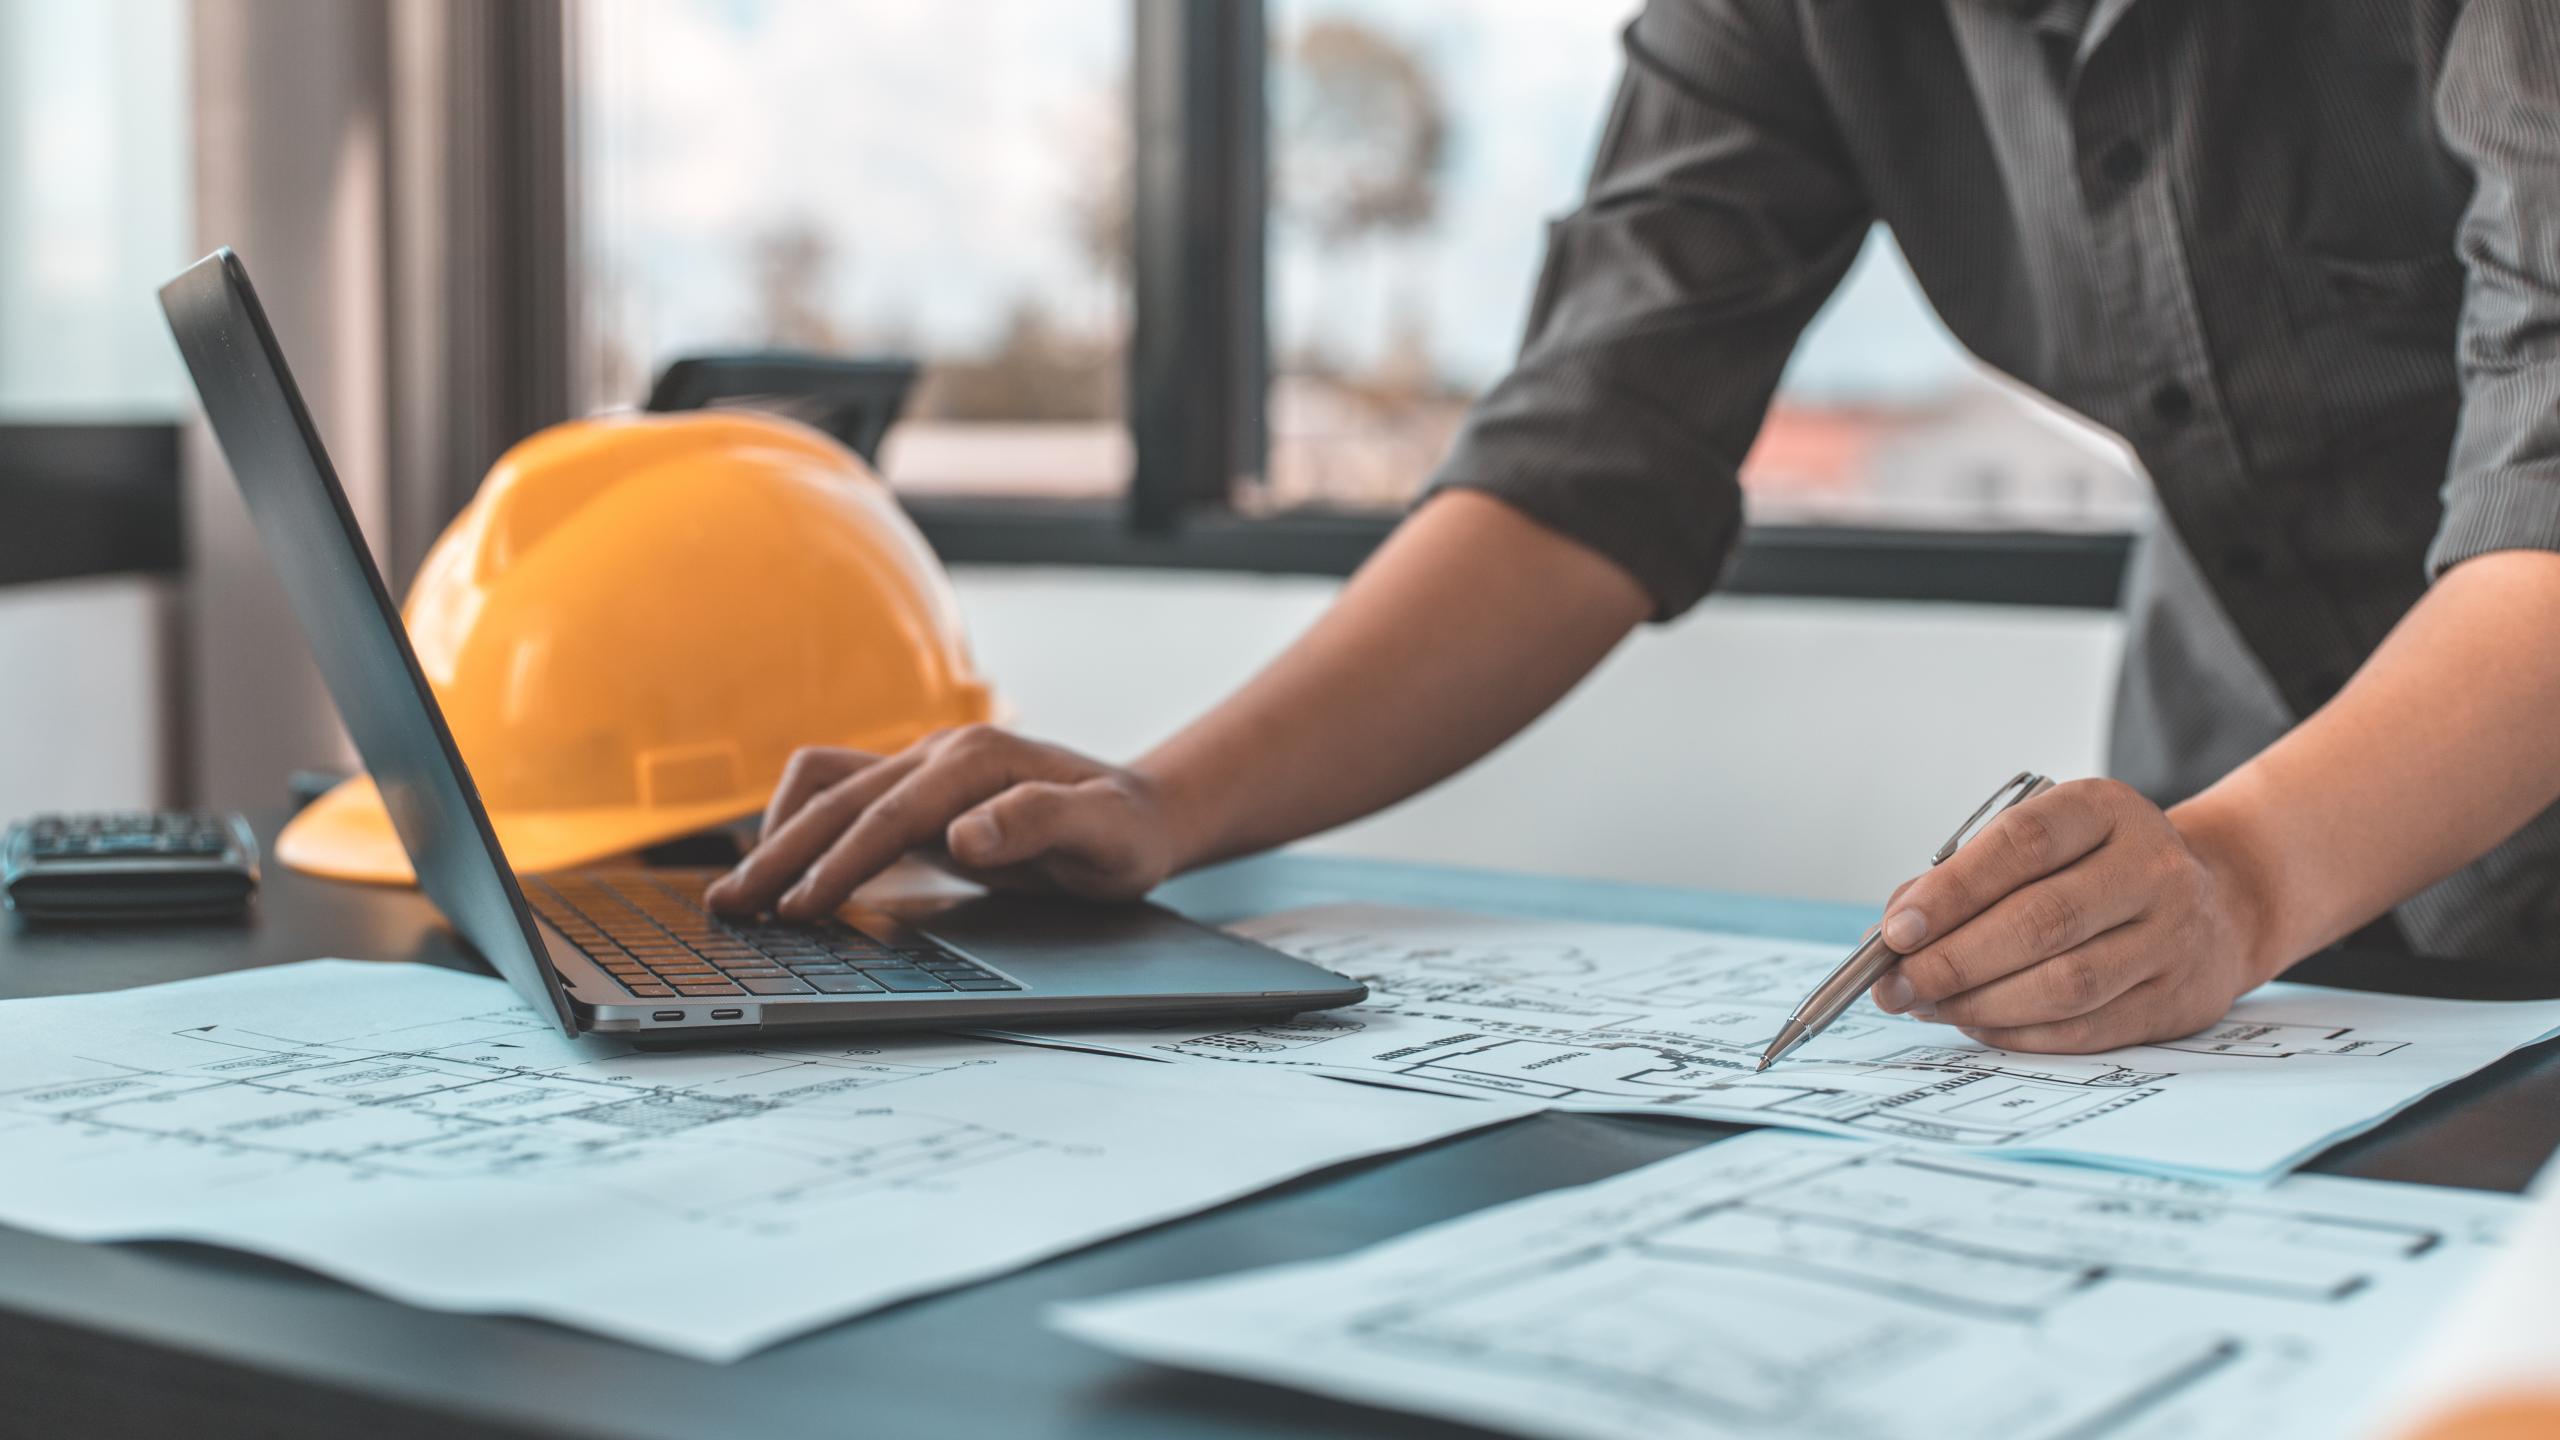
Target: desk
(162,1339)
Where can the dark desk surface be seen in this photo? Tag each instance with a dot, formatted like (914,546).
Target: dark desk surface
(161,1339)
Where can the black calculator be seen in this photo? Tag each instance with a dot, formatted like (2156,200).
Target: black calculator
(129,865)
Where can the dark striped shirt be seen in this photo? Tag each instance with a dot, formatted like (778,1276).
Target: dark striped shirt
(2303,254)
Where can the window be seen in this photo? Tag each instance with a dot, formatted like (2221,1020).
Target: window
(93,208)
(1416,147)
(905,178)
(1340,207)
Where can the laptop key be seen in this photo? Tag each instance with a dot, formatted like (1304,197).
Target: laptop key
(906,980)
(783,986)
(821,967)
(720,989)
(649,989)
(987,983)
(845,984)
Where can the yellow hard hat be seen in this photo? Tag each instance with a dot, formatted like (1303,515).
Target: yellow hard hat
(639,618)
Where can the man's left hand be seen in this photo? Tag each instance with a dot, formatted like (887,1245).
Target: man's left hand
(2080,920)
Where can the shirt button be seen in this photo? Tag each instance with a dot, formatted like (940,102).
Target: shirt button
(2122,161)
(2174,403)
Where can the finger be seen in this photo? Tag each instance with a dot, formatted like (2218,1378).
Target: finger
(785,854)
(2024,843)
(912,812)
(2140,1015)
(2047,918)
(812,769)
(1084,832)
(2069,985)
(1020,824)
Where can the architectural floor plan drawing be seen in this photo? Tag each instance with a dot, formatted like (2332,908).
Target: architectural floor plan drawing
(419,1132)
(1603,1017)
(1784,1285)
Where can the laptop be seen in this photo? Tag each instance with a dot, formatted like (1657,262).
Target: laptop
(632,951)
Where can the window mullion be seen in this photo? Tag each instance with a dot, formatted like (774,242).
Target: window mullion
(1197,362)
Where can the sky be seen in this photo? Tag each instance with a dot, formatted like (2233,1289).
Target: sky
(940,146)
(945,148)
(1528,84)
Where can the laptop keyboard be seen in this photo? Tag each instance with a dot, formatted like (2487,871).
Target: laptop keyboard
(660,943)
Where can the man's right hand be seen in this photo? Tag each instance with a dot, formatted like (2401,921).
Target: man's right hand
(1009,812)
(1467,623)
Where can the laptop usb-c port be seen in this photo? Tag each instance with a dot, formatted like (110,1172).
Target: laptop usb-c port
(728,1014)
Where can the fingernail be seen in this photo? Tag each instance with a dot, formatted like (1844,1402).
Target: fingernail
(978,833)
(1923,1012)
(1893,993)
(1905,928)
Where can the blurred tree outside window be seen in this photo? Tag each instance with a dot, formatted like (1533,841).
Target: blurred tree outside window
(893,177)
(952,184)
(1418,146)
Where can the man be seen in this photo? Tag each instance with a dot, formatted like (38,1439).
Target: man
(2304,254)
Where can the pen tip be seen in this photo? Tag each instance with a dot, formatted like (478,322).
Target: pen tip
(1763,1065)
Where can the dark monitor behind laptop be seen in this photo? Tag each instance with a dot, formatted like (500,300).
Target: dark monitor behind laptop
(354,627)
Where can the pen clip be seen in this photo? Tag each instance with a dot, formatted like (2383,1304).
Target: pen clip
(2024,785)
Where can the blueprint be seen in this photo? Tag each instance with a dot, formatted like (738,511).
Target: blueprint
(1622,1017)
(2495,1345)
(1778,1285)
(419,1132)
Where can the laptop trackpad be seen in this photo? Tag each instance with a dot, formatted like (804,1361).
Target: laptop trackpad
(1063,945)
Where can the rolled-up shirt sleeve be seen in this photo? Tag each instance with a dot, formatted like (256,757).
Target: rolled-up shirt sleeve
(1720,213)
(2498,107)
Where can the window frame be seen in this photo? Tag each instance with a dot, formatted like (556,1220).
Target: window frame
(104,498)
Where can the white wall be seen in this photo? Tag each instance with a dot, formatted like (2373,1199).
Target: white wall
(1813,748)
(1810,748)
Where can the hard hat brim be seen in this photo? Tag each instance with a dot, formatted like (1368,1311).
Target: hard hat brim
(346,834)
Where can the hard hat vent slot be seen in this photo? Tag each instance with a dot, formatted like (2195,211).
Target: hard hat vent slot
(690,774)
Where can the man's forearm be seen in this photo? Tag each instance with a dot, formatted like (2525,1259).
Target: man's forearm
(2445,743)
(1468,624)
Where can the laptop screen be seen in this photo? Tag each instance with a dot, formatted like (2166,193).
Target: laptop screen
(355,631)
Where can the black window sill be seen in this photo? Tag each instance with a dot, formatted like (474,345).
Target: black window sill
(2067,570)
(84,500)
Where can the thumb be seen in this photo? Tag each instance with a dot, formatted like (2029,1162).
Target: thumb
(1026,822)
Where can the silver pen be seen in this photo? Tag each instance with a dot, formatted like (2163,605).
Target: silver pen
(1867,964)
